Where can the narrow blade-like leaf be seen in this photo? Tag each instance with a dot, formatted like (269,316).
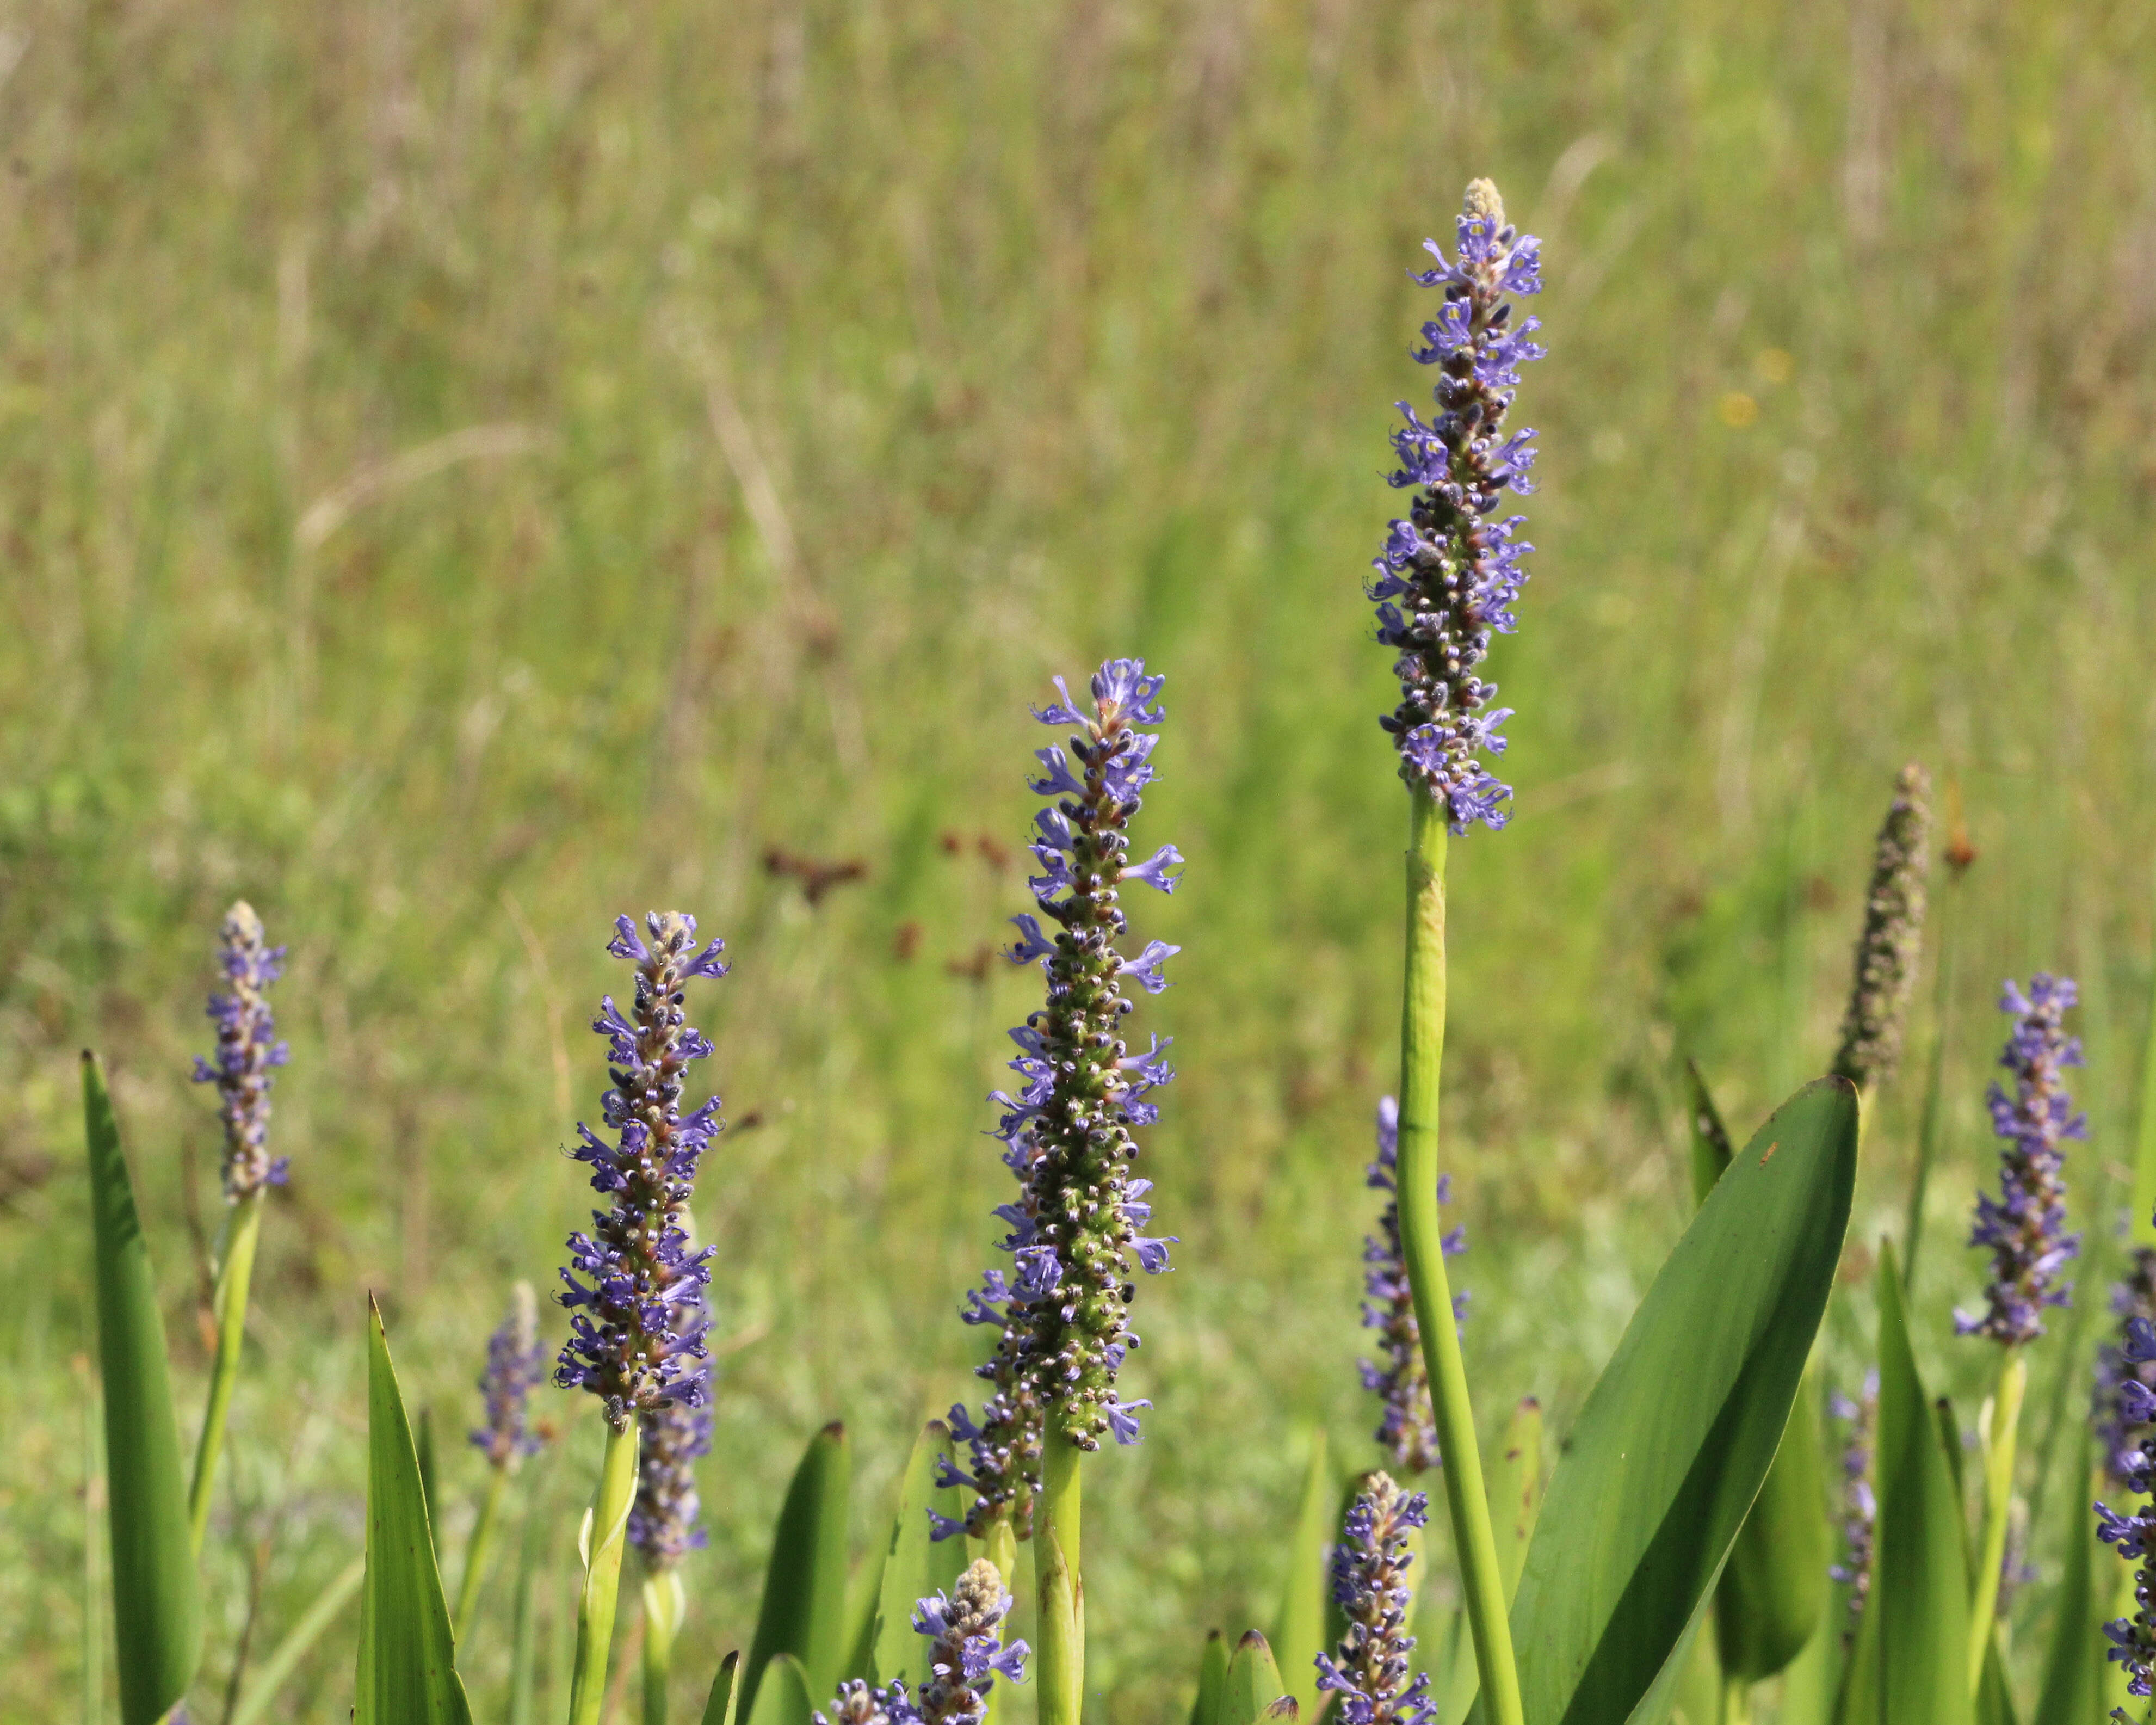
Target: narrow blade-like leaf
(804,1588)
(721,1709)
(2073,1670)
(1667,1455)
(1253,1685)
(1299,1626)
(783,1697)
(407,1659)
(1212,1680)
(1710,1146)
(915,1565)
(156,1610)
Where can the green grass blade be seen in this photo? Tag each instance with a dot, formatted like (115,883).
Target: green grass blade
(1299,1626)
(721,1709)
(407,1660)
(1711,1150)
(783,1697)
(1666,1457)
(2073,1668)
(1911,1663)
(1212,1680)
(915,1566)
(1253,1686)
(804,1611)
(156,1612)
(299,1641)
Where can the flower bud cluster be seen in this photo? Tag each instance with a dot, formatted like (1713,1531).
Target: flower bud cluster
(632,1282)
(1077,1226)
(248,1050)
(1892,940)
(1369,1670)
(965,1654)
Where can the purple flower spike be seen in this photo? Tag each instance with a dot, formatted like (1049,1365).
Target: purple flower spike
(2025,1226)
(2132,1467)
(634,1289)
(1860,1506)
(663,1521)
(248,1051)
(515,1362)
(1078,1230)
(1409,1429)
(1449,574)
(860,1704)
(2123,1385)
(966,1654)
(1369,1670)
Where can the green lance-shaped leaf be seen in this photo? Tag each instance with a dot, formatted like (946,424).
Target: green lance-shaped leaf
(1910,1666)
(784,1696)
(406,1656)
(914,1564)
(1299,1626)
(1711,1149)
(1252,1689)
(2073,1669)
(804,1588)
(723,1707)
(156,1612)
(1667,1455)
(1212,1680)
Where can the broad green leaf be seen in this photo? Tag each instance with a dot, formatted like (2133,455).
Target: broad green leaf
(726,1692)
(1711,1150)
(804,1587)
(1253,1688)
(157,1613)
(407,1656)
(1516,1491)
(1212,1680)
(1688,1692)
(915,1565)
(2073,1671)
(1773,1591)
(1299,1626)
(1910,1664)
(783,1697)
(1668,1454)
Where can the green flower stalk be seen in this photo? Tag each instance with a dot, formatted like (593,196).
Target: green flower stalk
(1447,581)
(248,1051)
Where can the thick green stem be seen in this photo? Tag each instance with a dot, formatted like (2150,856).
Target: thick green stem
(1736,1701)
(476,1550)
(1998,1437)
(666,1604)
(235,1270)
(604,1536)
(1422,1050)
(1059,1588)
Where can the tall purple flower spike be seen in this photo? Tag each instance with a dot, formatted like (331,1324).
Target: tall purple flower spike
(1077,1228)
(2025,1226)
(2134,1639)
(1859,1505)
(1409,1429)
(1449,573)
(515,1362)
(1369,1669)
(664,1521)
(632,1282)
(248,1050)
(2134,1297)
(966,1654)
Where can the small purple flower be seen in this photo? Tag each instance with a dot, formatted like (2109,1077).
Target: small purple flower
(1409,1429)
(857,1704)
(2124,1387)
(1860,1506)
(2025,1226)
(965,1655)
(634,1288)
(248,1050)
(1369,1669)
(2134,1639)
(1448,576)
(664,1520)
(1078,1229)
(514,1363)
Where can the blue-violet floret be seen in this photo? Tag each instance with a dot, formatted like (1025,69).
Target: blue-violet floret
(1369,1670)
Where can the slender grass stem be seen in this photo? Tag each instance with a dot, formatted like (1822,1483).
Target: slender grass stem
(1059,1586)
(270,1677)
(666,1604)
(235,1270)
(475,1551)
(1422,1049)
(1998,1497)
(605,1539)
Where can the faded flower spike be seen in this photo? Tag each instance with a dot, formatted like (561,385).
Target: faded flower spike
(247,1051)
(1077,1226)
(860,1703)
(1369,1567)
(515,1362)
(1892,941)
(2134,1639)
(965,1654)
(2121,1384)
(1409,1430)
(1859,1506)
(2025,1226)
(663,1522)
(1449,574)
(633,1277)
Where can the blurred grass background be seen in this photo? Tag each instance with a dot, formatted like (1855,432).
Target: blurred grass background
(466,471)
